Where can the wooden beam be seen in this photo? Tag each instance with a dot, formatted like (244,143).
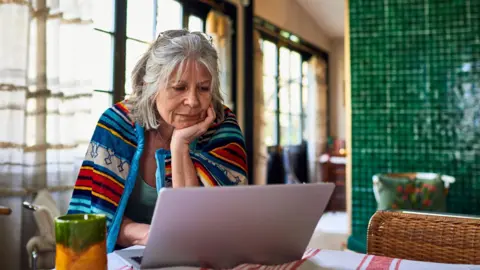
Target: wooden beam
(120,50)
(249,87)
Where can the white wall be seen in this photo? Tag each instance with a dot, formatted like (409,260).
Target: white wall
(290,16)
(337,92)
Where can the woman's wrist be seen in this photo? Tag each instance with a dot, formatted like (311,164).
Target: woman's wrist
(177,148)
(183,170)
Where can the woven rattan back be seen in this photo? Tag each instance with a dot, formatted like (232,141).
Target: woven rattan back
(425,237)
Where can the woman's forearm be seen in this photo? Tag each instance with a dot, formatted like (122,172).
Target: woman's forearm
(132,233)
(183,170)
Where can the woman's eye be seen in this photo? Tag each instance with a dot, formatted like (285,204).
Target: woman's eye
(179,88)
(205,88)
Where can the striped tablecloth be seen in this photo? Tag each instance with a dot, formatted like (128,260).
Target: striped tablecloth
(328,259)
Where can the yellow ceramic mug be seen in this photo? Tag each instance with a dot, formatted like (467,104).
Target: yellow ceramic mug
(80,242)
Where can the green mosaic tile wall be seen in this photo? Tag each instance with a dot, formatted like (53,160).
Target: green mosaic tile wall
(415,72)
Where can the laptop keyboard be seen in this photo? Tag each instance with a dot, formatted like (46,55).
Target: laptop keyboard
(138,259)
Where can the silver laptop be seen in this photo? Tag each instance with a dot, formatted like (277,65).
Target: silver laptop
(228,226)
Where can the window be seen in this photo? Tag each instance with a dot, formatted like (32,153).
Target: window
(270,91)
(305,86)
(290,97)
(284,78)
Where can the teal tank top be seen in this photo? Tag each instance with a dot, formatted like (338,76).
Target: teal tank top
(141,203)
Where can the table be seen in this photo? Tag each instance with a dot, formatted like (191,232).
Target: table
(328,259)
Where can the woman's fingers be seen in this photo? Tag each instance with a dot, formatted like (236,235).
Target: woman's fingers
(203,126)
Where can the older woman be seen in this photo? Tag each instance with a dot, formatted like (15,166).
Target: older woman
(172,132)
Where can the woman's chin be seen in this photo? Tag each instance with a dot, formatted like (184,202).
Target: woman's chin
(185,124)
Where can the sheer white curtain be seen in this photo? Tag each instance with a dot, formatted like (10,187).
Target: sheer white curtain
(45,87)
(260,157)
(316,113)
(219,27)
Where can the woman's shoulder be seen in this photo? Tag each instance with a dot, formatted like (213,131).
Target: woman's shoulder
(226,123)
(229,116)
(119,113)
(116,120)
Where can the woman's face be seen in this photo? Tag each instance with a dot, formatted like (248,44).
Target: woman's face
(184,103)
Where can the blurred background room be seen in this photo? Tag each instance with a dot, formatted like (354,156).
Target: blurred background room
(354,92)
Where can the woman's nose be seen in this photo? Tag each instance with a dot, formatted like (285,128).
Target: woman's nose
(192,99)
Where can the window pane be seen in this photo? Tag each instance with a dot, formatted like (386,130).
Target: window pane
(103,55)
(284,129)
(284,99)
(284,64)
(140,19)
(295,66)
(134,51)
(295,101)
(195,23)
(270,135)
(269,58)
(104,14)
(269,93)
(295,130)
(100,102)
(305,98)
(169,15)
(305,81)
(305,68)
(305,86)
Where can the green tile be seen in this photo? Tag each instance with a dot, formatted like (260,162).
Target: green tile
(415,73)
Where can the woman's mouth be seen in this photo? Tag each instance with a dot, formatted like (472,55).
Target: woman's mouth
(189,117)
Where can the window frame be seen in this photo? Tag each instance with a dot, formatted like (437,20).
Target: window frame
(113,35)
(284,38)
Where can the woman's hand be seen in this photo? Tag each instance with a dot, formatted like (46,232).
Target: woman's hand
(142,232)
(183,170)
(132,233)
(183,137)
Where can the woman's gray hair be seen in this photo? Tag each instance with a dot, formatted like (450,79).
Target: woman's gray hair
(171,49)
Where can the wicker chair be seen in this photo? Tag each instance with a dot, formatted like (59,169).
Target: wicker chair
(429,237)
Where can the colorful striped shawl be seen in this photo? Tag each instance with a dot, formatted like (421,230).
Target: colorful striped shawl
(110,168)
